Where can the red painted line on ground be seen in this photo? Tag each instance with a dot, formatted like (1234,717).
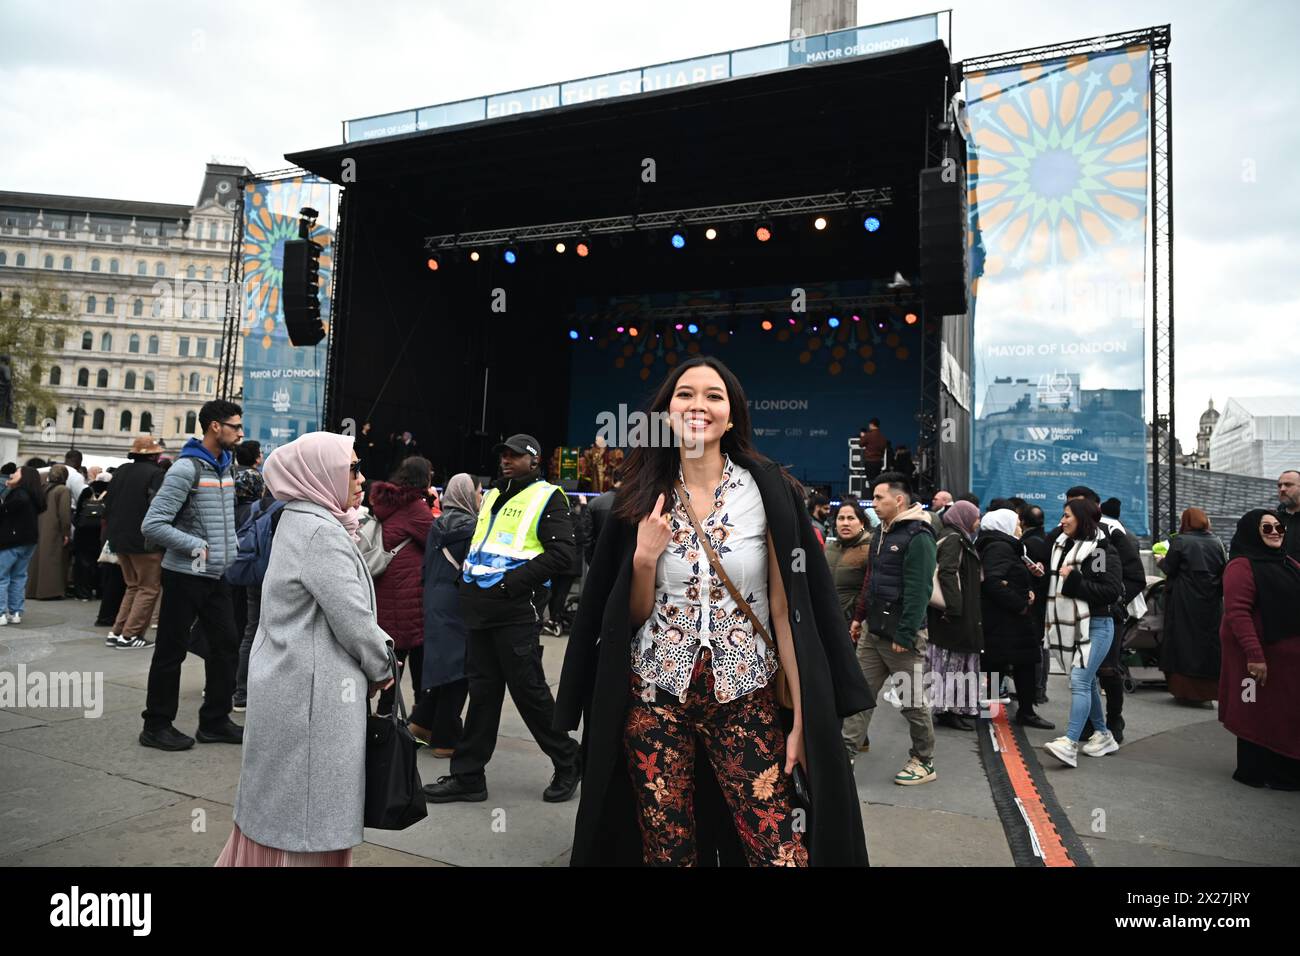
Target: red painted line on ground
(1022,782)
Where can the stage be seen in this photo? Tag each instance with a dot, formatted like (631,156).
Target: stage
(813,321)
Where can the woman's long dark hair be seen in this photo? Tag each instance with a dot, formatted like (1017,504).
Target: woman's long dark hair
(1087,514)
(649,472)
(414,472)
(30,482)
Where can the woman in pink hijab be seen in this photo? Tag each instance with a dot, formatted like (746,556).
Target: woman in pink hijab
(318,649)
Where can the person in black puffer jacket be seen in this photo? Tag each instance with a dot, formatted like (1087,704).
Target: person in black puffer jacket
(1011,639)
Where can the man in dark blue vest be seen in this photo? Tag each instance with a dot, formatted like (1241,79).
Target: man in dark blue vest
(893,604)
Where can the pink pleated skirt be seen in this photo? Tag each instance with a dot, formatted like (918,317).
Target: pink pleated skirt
(241,851)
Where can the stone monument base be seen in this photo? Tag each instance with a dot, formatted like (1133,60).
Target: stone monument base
(9,438)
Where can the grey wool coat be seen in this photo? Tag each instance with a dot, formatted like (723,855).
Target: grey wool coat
(318,647)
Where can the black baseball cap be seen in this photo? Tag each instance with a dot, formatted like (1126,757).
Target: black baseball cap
(520,445)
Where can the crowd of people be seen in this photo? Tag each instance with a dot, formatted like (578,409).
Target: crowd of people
(722,690)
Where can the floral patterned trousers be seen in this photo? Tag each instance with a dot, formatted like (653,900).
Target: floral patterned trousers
(745,745)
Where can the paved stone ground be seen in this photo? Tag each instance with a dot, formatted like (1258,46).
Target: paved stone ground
(83,792)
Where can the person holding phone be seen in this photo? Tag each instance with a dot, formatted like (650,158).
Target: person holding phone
(707,584)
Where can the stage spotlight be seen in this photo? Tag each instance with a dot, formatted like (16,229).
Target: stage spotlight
(473,256)
(763,231)
(710,233)
(833,322)
(899,282)
(857,318)
(871,223)
(678,326)
(573,334)
(693,329)
(434,263)
(633,331)
(582,250)
(819,223)
(767,325)
(620,329)
(510,255)
(678,240)
(793,321)
(910,318)
(559,247)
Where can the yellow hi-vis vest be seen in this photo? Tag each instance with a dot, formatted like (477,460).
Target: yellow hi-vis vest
(505,540)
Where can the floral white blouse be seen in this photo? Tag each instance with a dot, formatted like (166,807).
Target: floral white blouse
(692,607)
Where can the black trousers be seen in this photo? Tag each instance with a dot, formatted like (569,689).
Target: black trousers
(439,711)
(1023,669)
(185,599)
(496,659)
(409,661)
(112,589)
(85,563)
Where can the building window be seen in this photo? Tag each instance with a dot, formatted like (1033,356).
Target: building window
(129,385)
(207,273)
(58,340)
(35,374)
(137,309)
(146,422)
(83,377)
(4,257)
(110,305)
(40,338)
(113,266)
(106,342)
(124,423)
(101,380)
(194,381)
(184,348)
(94,265)
(200,348)
(29,417)
(67,263)
(191,423)
(79,418)
(148,381)
(209,384)
(87,340)
(63,301)
(160,269)
(97,421)
(212,230)
(56,376)
(133,343)
(153,345)
(49,262)
(20,259)
(191,272)
(90,305)
(216,348)
(142,268)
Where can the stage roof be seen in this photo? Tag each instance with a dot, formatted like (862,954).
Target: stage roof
(798,131)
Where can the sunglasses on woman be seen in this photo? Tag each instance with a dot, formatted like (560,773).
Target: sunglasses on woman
(1269,527)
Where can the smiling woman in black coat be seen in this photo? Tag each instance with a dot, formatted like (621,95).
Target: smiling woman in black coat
(597,675)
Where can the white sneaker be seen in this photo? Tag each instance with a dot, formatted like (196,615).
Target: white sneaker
(1099,744)
(4,619)
(112,639)
(1065,750)
(15,618)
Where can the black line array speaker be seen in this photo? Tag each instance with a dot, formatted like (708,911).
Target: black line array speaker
(944,261)
(301,291)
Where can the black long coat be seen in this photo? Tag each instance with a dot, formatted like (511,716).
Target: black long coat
(445,633)
(1009,628)
(1193,605)
(595,685)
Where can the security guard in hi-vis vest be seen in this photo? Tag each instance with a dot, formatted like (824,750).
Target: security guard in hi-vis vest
(524,536)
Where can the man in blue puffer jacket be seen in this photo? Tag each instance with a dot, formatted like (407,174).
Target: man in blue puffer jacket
(193,517)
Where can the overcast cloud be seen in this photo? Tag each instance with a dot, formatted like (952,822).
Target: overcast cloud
(129,99)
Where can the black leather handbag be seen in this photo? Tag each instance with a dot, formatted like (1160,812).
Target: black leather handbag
(394,798)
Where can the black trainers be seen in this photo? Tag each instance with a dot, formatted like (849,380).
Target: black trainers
(129,642)
(167,738)
(227,733)
(452,789)
(563,786)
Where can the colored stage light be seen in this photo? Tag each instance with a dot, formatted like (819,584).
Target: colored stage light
(434,263)
(910,318)
(559,247)
(693,329)
(819,223)
(620,330)
(871,223)
(573,334)
(763,232)
(767,325)
(678,326)
(857,318)
(582,250)
(474,256)
(710,233)
(633,331)
(792,320)
(510,255)
(678,240)
(833,322)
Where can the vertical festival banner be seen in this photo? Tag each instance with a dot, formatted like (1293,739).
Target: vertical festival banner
(284,385)
(1058,211)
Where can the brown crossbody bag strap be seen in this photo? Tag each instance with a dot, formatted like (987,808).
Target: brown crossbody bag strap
(780,687)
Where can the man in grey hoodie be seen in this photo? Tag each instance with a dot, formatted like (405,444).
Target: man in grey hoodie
(193,517)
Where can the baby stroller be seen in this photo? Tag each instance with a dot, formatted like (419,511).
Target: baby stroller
(1139,659)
